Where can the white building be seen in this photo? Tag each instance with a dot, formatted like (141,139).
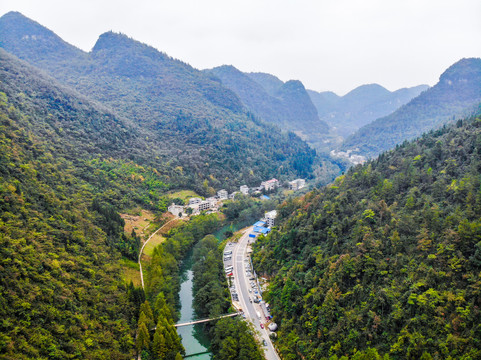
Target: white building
(195,200)
(212,201)
(232,196)
(223,194)
(270,217)
(176,210)
(270,184)
(244,189)
(297,184)
(204,205)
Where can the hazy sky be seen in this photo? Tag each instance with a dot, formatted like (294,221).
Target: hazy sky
(327,44)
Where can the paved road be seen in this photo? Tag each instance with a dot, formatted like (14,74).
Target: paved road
(242,286)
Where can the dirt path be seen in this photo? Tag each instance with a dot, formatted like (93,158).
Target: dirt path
(142,249)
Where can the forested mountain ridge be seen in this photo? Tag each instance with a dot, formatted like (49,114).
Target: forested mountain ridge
(386,260)
(39,44)
(204,128)
(285,104)
(366,103)
(455,95)
(61,294)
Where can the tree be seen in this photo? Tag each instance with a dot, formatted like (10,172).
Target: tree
(143,337)
(159,348)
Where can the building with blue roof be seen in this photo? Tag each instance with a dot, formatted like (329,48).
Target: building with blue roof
(261,229)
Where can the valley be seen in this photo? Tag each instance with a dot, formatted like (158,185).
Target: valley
(139,193)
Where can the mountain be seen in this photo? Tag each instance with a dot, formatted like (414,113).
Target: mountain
(268,81)
(325,101)
(189,120)
(366,103)
(385,262)
(60,285)
(455,95)
(285,104)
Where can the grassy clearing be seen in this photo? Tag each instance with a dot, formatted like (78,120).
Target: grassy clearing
(183,194)
(157,239)
(130,271)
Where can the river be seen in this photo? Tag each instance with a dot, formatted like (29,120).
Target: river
(193,337)
(195,341)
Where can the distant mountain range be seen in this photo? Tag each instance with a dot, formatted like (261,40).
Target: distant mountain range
(286,104)
(366,103)
(189,119)
(457,94)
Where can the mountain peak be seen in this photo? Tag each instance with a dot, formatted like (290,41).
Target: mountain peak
(463,70)
(368,90)
(17,16)
(28,39)
(110,40)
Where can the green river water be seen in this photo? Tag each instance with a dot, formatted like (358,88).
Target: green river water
(195,342)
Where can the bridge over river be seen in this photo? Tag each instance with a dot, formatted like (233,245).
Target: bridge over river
(203,320)
(206,320)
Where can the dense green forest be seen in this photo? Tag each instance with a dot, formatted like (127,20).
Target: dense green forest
(180,118)
(386,260)
(61,296)
(231,338)
(65,173)
(456,95)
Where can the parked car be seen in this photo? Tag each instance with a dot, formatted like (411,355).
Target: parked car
(262,326)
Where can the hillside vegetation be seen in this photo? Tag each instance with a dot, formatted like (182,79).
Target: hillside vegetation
(385,261)
(455,96)
(61,294)
(184,118)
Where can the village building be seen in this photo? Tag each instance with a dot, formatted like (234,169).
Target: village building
(232,196)
(194,201)
(176,210)
(244,189)
(223,194)
(270,184)
(212,201)
(270,218)
(204,205)
(297,184)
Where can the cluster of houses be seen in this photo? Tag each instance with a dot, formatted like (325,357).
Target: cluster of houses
(196,205)
(272,184)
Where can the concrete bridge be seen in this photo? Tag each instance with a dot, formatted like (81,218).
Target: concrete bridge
(203,320)
(206,320)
